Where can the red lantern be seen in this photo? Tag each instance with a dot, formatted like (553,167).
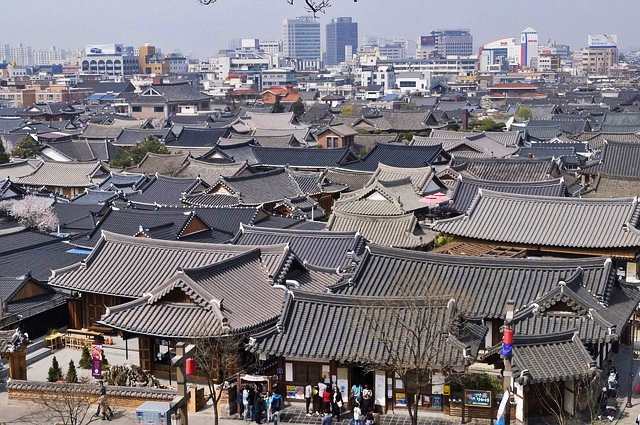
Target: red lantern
(507,336)
(190,366)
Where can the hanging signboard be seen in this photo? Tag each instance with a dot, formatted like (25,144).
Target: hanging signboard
(96,361)
(477,398)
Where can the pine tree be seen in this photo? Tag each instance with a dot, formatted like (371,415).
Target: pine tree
(3,154)
(55,373)
(85,358)
(72,376)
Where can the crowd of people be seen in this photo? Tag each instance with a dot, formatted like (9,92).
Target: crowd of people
(321,399)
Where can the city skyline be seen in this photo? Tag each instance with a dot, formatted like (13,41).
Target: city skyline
(201,31)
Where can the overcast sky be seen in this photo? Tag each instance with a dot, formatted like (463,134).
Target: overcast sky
(202,30)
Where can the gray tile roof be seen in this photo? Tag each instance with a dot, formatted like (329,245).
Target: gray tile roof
(352,179)
(210,172)
(163,190)
(145,393)
(619,160)
(133,136)
(262,187)
(477,147)
(303,157)
(512,170)
(466,189)
(163,164)
(15,170)
(198,137)
(101,132)
(381,198)
(552,358)
(302,331)
(505,138)
(548,221)
(66,174)
(398,231)
(397,155)
(317,247)
(129,267)
(483,284)
(220,298)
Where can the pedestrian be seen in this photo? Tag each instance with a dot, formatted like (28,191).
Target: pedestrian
(612,383)
(252,403)
(245,403)
(267,405)
(103,404)
(322,388)
(357,414)
(638,419)
(259,407)
(315,400)
(336,402)
(326,401)
(367,398)
(356,394)
(308,392)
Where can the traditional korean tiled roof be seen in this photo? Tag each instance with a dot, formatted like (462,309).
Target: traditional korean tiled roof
(198,137)
(134,136)
(548,221)
(505,138)
(358,326)
(210,172)
(466,189)
(353,179)
(477,147)
(217,299)
(146,393)
(621,122)
(420,176)
(614,187)
(163,190)
(162,164)
(597,140)
(66,174)
(619,159)
(316,247)
(400,231)
(482,284)
(397,155)
(102,132)
(380,198)
(511,170)
(262,187)
(303,157)
(15,170)
(125,182)
(9,190)
(127,266)
(552,358)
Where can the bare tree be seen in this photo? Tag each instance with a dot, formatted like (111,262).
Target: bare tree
(218,359)
(413,336)
(65,407)
(550,396)
(34,212)
(312,6)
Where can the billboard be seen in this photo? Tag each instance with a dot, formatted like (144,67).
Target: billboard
(427,41)
(602,40)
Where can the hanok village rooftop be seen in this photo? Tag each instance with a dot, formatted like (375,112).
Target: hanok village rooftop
(341,250)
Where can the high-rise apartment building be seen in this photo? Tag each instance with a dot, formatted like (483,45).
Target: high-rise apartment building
(301,39)
(529,48)
(341,37)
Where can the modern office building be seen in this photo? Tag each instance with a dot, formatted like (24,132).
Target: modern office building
(443,43)
(109,59)
(341,38)
(301,40)
(500,55)
(600,55)
(529,48)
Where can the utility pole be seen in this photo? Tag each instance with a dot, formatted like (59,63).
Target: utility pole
(632,338)
(180,403)
(506,353)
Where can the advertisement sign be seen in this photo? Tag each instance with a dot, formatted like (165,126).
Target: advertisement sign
(96,361)
(477,398)
(295,392)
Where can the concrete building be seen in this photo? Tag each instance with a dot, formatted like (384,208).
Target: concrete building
(301,40)
(529,48)
(150,61)
(341,38)
(500,55)
(443,43)
(600,55)
(176,63)
(109,59)
(278,77)
(273,48)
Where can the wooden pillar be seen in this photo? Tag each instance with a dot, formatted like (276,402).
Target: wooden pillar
(74,307)
(145,347)
(18,364)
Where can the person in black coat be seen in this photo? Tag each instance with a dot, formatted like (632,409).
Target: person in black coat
(336,402)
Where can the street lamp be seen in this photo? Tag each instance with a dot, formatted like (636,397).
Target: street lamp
(632,345)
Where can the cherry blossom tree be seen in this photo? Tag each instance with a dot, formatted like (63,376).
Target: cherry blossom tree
(33,212)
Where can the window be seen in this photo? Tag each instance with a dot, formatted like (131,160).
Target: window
(158,109)
(306,373)
(136,108)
